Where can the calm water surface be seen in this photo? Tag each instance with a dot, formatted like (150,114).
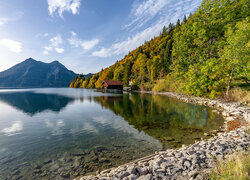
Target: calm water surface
(63,133)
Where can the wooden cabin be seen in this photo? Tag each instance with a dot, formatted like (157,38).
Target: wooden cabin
(112,85)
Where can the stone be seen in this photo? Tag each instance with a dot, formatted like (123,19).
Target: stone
(131,177)
(123,174)
(104,160)
(160,173)
(78,153)
(165,165)
(43,174)
(65,174)
(178,155)
(37,167)
(100,148)
(192,173)
(92,153)
(145,177)
(187,164)
(37,171)
(142,171)
(199,177)
(191,152)
(131,169)
(168,139)
(47,161)
(16,172)
(224,113)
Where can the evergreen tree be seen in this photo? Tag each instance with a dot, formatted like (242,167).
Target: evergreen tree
(184,19)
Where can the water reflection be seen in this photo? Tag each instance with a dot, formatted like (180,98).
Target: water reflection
(14,129)
(81,137)
(32,102)
(90,130)
(168,120)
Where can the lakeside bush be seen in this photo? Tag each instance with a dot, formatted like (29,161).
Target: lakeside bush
(161,86)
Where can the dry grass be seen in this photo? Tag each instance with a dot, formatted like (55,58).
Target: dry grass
(241,95)
(237,167)
(237,95)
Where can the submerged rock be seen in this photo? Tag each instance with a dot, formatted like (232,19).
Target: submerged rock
(47,161)
(168,138)
(100,148)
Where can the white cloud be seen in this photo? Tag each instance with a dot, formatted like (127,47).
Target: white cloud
(47,49)
(59,6)
(147,21)
(150,11)
(12,17)
(55,41)
(129,44)
(14,129)
(145,12)
(12,45)
(55,44)
(150,7)
(3,21)
(103,53)
(84,44)
(59,50)
(87,45)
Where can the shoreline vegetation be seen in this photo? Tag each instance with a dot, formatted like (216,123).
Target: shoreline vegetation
(235,167)
(205,54)
(207,159)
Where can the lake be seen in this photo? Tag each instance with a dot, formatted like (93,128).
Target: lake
(62,133)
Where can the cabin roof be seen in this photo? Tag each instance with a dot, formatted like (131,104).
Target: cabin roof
(113,83)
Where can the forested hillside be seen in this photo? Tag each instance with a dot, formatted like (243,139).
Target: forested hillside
(201,55)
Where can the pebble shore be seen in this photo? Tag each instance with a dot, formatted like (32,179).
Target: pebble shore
(194,161)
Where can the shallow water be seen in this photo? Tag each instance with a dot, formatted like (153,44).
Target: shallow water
(61,133)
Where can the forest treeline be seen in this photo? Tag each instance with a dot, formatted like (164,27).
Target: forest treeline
(200,55)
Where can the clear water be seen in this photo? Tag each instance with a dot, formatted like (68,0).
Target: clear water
(63,133)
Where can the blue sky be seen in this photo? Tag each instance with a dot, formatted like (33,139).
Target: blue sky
(84,35)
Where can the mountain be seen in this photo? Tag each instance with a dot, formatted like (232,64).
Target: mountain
(202,55)
(31,73)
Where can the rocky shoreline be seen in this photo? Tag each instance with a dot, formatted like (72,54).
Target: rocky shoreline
(193,161)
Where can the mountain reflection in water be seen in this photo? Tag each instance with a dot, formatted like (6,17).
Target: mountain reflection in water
(32,103)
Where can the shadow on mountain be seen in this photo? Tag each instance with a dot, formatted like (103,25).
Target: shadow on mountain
(32,103)
(170,121)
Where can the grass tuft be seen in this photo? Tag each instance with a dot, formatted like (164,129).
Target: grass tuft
(237,167)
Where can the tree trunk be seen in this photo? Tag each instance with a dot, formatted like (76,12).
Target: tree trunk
(229,82)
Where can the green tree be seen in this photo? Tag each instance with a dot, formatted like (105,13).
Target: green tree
(119,73)
(236,53)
